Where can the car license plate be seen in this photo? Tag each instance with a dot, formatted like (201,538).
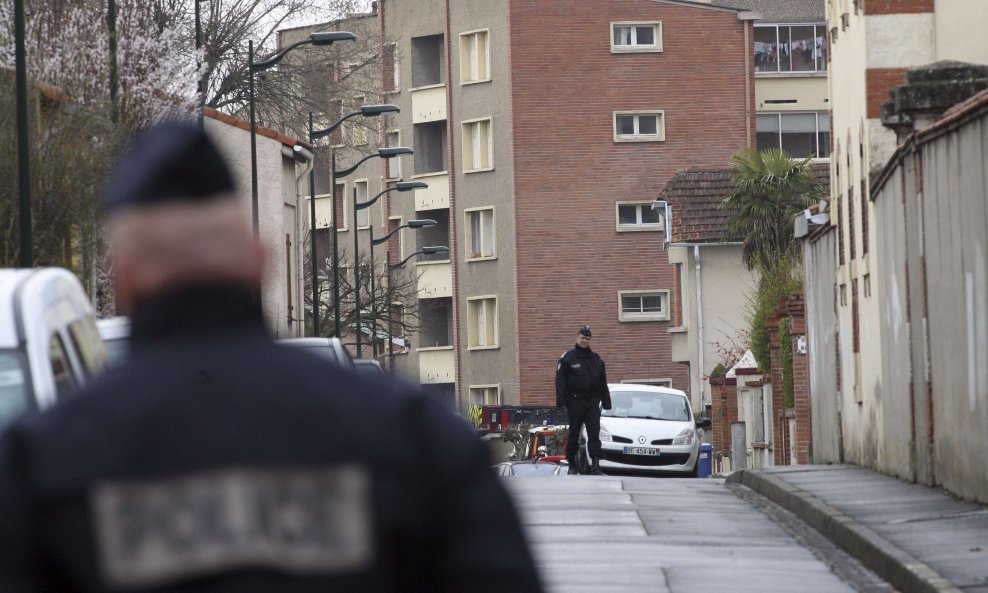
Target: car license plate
(641,451)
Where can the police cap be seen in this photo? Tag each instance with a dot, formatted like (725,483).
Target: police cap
(169,161)
(585,331)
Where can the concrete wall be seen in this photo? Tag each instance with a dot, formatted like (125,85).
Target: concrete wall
(276,217)
(820,271)
(809,93)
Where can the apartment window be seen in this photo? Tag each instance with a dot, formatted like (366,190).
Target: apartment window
(360,194)
(639,126)
(428,65)
(485,395)
(799,134)
(429,142)
(480,233)
(636,36)
(791,48)
(482,320)
(474,57)
(393,139)
(477,145)
(650,305)
(638,216)
(396,244)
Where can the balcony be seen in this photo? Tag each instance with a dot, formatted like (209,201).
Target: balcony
(429,104)
(435,279)
(434,197)
(436,365)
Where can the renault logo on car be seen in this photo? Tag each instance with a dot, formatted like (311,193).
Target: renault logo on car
(641,440)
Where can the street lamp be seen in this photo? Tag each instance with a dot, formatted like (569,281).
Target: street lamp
(400,186)
(199,86)
(411,224)
(365,110)
(424,251)
(321,38)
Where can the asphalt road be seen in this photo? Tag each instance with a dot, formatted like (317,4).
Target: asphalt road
(623,534)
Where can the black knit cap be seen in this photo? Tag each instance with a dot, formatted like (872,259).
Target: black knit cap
(585,331)
(169,161)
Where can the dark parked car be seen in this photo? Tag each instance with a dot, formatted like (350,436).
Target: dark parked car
(370,367)
(330,349)
(531,468)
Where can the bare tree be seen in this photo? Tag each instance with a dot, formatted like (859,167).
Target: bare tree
(390,310)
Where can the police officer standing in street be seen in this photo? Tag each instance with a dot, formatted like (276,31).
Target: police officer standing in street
(581,387)
(213,459)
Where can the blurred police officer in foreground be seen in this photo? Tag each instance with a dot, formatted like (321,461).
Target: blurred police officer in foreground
(214,460)
(581,386)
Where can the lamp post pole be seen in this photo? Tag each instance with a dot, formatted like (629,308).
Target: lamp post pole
(400,186)
(200,89)
(356,270)
(25,227)
(425,250)
(336,244)
(253,140)
(414,224)
(366,110)
(321,38)
(313,250)
(383,153)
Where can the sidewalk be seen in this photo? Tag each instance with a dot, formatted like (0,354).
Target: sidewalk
(919,539)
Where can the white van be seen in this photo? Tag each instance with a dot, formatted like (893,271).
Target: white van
(48,340)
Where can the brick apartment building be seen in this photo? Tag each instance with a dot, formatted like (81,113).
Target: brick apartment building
(545,130)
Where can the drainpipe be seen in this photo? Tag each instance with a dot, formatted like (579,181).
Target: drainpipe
(699,319)
(747,18)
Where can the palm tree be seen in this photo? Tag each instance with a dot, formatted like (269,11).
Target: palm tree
(770,189)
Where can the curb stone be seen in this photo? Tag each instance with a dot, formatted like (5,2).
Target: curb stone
(891,563)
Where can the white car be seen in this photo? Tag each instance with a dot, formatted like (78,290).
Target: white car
(648,429)
(331,350)
(48,340)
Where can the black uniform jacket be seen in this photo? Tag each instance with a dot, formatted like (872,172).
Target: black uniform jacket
(581,373)
(214,460)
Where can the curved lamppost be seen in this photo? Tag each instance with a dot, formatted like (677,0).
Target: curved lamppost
(430,250)
(400,186)
(365,110)
(384,153)
(321,38)
(411,224)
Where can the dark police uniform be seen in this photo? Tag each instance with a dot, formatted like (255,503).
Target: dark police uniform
(581,386)
(214,460)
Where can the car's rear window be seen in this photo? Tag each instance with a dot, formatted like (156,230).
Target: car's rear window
(15,387)
(325,352)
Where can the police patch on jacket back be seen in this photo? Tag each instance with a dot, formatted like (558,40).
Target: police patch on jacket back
(301,521)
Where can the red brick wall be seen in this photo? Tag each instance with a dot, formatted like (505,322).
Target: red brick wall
(569,172)
(878,83)
(792,306)
(723,411)
(898,6)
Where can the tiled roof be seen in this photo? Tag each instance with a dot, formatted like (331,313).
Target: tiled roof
(239,123)
(694,199)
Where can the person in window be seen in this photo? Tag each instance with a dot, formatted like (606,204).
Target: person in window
(581,387)
(214,460)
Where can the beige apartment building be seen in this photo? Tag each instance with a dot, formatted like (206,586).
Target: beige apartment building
(873,44)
